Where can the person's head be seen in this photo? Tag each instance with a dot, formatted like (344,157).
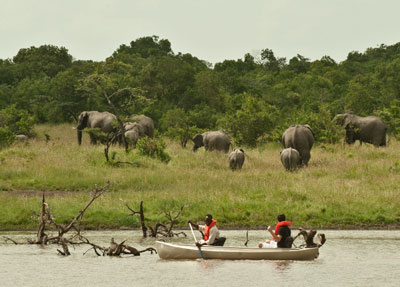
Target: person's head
(281,217)
(208,219)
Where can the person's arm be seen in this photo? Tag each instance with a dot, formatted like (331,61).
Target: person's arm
(275,237)
(194,225)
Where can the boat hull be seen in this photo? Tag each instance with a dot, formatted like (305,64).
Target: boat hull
(174,251)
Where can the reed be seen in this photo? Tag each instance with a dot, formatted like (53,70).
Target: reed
(342,186)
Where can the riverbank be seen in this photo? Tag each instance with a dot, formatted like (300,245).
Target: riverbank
(343,186)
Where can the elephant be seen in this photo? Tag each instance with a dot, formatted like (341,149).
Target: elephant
(369,129)
(132,132)
(94,119)
(301,138)
(212,140)
(236,159)
(145,125)
(21,138)
(290,158)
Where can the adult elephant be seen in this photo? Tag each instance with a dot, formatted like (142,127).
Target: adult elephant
(95,120)
(369,129)
(301,138)
(145,125)
(212,140)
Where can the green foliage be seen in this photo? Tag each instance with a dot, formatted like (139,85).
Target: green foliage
(47,59)
(321,123)
(254,98)
(16,121)
(7,137)
(154,148)
(251,122)
(391,117)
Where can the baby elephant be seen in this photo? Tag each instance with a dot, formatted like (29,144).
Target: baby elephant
(236,159)
(290,158)
(21,138)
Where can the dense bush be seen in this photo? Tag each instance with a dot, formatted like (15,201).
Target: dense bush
(6,137)
(14,121)
(154,148)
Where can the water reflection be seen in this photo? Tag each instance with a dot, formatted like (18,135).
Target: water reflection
(281,266)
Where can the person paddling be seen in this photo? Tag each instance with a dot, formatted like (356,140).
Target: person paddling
(210,231)
(281,236)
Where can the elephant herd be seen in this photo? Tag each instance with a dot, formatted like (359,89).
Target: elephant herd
(138,126)
(297,140)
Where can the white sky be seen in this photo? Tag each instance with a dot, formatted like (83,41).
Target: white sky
(212,30)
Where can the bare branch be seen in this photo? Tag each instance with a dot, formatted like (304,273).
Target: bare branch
(9,239)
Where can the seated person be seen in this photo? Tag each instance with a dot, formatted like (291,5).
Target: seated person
(210,232)
(281,237)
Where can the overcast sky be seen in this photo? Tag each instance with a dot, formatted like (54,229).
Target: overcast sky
(212,30)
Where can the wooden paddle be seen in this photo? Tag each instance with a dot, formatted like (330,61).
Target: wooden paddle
(195,240)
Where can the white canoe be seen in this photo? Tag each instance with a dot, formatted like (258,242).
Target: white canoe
(174,251)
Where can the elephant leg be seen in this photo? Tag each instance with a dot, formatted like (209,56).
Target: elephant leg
(383,141)
(305,159)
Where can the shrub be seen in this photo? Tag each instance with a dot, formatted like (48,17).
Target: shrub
(153,148)
(252,121)
(6,137)
(16,120)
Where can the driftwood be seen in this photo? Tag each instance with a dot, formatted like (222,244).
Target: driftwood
(115,249)
(159,228)
(309,238)
(10,239)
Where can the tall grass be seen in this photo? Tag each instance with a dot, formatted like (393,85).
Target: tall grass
(342,186)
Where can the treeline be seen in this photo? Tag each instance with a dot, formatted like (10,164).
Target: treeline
(254,99)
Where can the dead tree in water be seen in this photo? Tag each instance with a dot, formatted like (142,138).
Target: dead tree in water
(309,238)
(115,249)
(159,228)
(141,214)
(167,232)
(46,219)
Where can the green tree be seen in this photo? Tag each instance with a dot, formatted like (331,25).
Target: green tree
(46,60)
(16,121)
(251,123)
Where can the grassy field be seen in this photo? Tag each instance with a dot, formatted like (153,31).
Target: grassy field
(343,186)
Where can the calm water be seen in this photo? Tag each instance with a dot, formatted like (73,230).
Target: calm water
(349,258)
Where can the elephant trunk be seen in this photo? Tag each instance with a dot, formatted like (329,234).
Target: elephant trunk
(79,133)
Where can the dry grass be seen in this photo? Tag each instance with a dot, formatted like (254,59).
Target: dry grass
(343,185)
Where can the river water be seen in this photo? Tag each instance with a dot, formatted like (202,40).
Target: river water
(348,258)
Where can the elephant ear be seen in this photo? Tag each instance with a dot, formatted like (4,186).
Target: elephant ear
(308,126)
(198,140)
(82,120)
(347,121)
